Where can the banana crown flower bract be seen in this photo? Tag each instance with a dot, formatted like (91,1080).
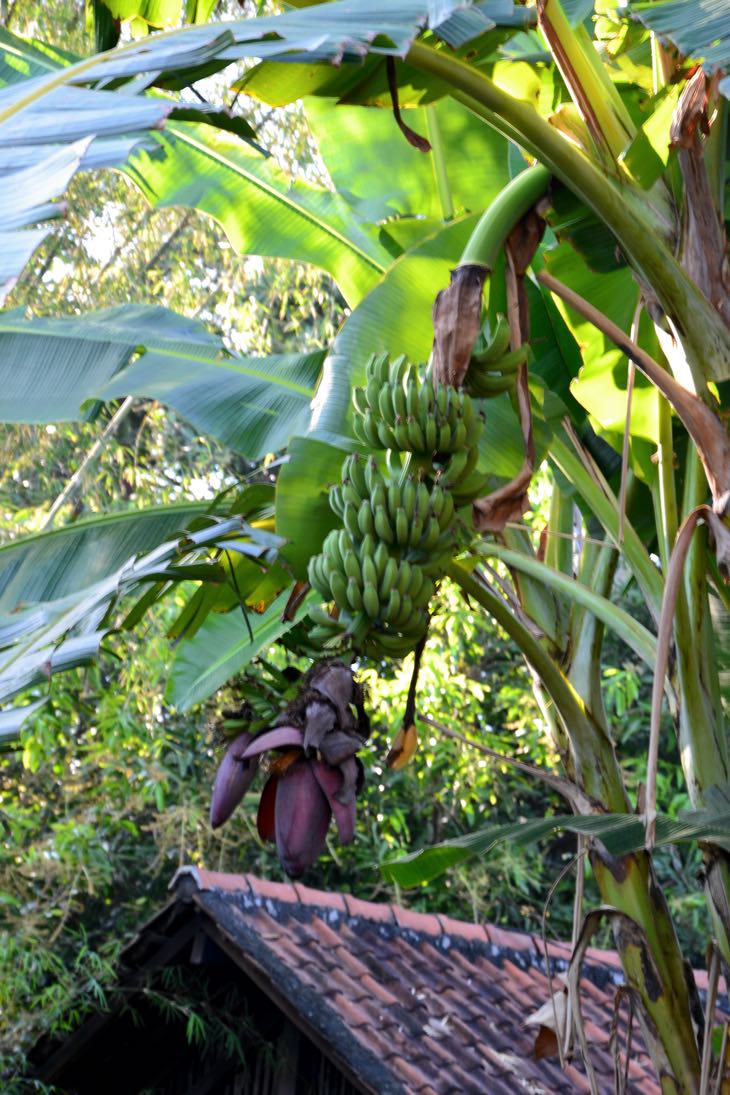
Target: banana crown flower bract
(314,772)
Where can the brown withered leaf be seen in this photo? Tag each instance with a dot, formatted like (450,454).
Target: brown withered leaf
(298,593)
(704,245)
(690,112)
(507,503)
(702,424)
(410,135)
(720,537)
(457,314)
(403,747)
(546,1043)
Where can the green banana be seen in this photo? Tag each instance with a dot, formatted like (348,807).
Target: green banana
(486,386)
(498,344)
(372,475)
(388,579)
(368,545)
(447,510)
(430,535)
(392,608)
(336,500)
(398,400)
(359,400)
(409,495)
(385,405)
(405,571)
(380,558)
(382,526)
(371,601)
(369,571)
(352,568)
(425,593)
(401,527)
(412,399)
(356,474)
(401,435)
(460,437)
(416,528)
(416,583)
(378,497)
(372,393)
(339,586)
(353,595)
(349,518)
(349,494)
(398,369)
(431,434)
(331,550)
(385,434)
(365,521)
(405,615)
(417,442)
(393,461)
(426,399)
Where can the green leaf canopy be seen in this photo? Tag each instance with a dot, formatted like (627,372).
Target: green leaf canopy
(262,211)
(49,367)
(56,564)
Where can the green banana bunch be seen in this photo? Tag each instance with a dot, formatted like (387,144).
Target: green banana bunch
(400,410)
(494,369)
(372,589)
(398,529)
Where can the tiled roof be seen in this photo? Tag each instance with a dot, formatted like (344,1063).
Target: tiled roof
(428,1005)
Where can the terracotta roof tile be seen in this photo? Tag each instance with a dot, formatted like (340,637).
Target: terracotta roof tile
(510,940)
(349,1011)
(442,1002)
(460,929)
(417,921)
(322,898)
(370,910)
(276,891)
(415,1079)
(378,990)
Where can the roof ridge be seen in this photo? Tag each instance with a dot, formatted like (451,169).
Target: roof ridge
(433,924)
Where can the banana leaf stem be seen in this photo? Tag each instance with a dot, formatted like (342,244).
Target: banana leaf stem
(605,508)
(590,86)
(507,209)
(601,778)
(438,160)
(628,884)
(623,209)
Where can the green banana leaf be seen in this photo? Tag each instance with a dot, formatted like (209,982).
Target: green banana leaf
(50,366)
(622,834)
(303,513)
(223,646)
(68,631)
(700,31)
(355,144)
(51,108)
(52,565)
(261,210)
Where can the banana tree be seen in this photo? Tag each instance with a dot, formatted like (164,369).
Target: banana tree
(572,170)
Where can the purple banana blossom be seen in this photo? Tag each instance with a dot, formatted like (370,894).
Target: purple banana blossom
(233,779)
(314,772)
(297,803)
